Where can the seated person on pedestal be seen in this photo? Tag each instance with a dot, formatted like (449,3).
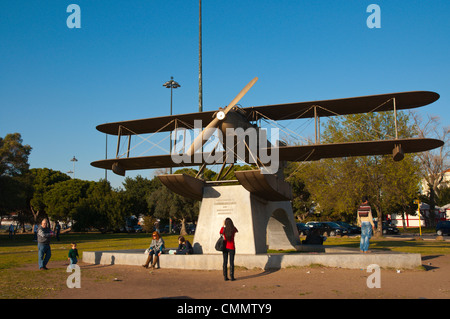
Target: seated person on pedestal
(155,250)
(184,247)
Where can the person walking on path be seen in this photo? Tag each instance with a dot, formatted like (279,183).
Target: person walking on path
(365,221)
(228,231)
(44,235)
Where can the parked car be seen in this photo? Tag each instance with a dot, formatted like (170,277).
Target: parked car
(131,229)
(388,229)
(352,229)
(165,229)
(190,228)
(443,228)
(328,228)
(334,229)
(302,229)
(313,224)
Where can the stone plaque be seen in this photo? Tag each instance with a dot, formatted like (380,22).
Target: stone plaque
(224,206)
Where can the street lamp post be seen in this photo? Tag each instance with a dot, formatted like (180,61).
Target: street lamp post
(172,84)
(73,160)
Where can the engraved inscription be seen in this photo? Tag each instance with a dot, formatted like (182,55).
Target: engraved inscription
(224,206)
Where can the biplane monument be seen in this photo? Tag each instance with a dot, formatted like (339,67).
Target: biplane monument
(259,202)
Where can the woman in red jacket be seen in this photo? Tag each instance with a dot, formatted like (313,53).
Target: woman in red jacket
(228,230)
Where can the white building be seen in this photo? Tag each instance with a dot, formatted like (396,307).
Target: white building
(412,221)
(441,213)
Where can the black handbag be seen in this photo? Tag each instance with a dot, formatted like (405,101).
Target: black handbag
(220,244)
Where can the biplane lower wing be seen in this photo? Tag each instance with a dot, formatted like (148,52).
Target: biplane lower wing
(137,163)
(286,153)
(349,149)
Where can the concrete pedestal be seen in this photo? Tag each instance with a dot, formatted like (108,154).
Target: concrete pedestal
(328,256)
(261,224)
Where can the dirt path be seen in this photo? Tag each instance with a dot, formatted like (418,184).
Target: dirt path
(123,282)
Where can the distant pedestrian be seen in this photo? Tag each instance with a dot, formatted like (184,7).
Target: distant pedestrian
(44,235)
(57,230)
(11,231)
(365,221)
(35,230)
(156,226)
(228,231)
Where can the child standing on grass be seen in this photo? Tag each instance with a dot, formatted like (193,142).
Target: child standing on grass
(73,254)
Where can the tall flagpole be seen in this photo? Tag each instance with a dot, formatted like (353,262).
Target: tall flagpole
(200,88)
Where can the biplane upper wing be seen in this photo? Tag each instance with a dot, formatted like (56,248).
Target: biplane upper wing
(286,153)
(156,124)
(363,104)
(353,105)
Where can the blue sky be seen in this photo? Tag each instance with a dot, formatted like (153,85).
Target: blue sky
(57,84)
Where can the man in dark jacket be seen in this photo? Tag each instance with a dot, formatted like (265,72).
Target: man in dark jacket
(44,235)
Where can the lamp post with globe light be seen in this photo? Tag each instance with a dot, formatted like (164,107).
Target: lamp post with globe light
(171,84)
(73,160)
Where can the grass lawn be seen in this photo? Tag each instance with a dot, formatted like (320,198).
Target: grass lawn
(20,252)
(424,247)
(20,277)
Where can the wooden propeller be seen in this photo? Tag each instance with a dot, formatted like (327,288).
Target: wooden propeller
(204,135)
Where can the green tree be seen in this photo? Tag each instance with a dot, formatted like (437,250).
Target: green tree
(42,180)
(63,199)
(337,185)
(434,163)
(444,196)
(13,155)
(231,172)
(14,186)
(14,194)
(302,204)
(103,208)
(136,191)
(167,204)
